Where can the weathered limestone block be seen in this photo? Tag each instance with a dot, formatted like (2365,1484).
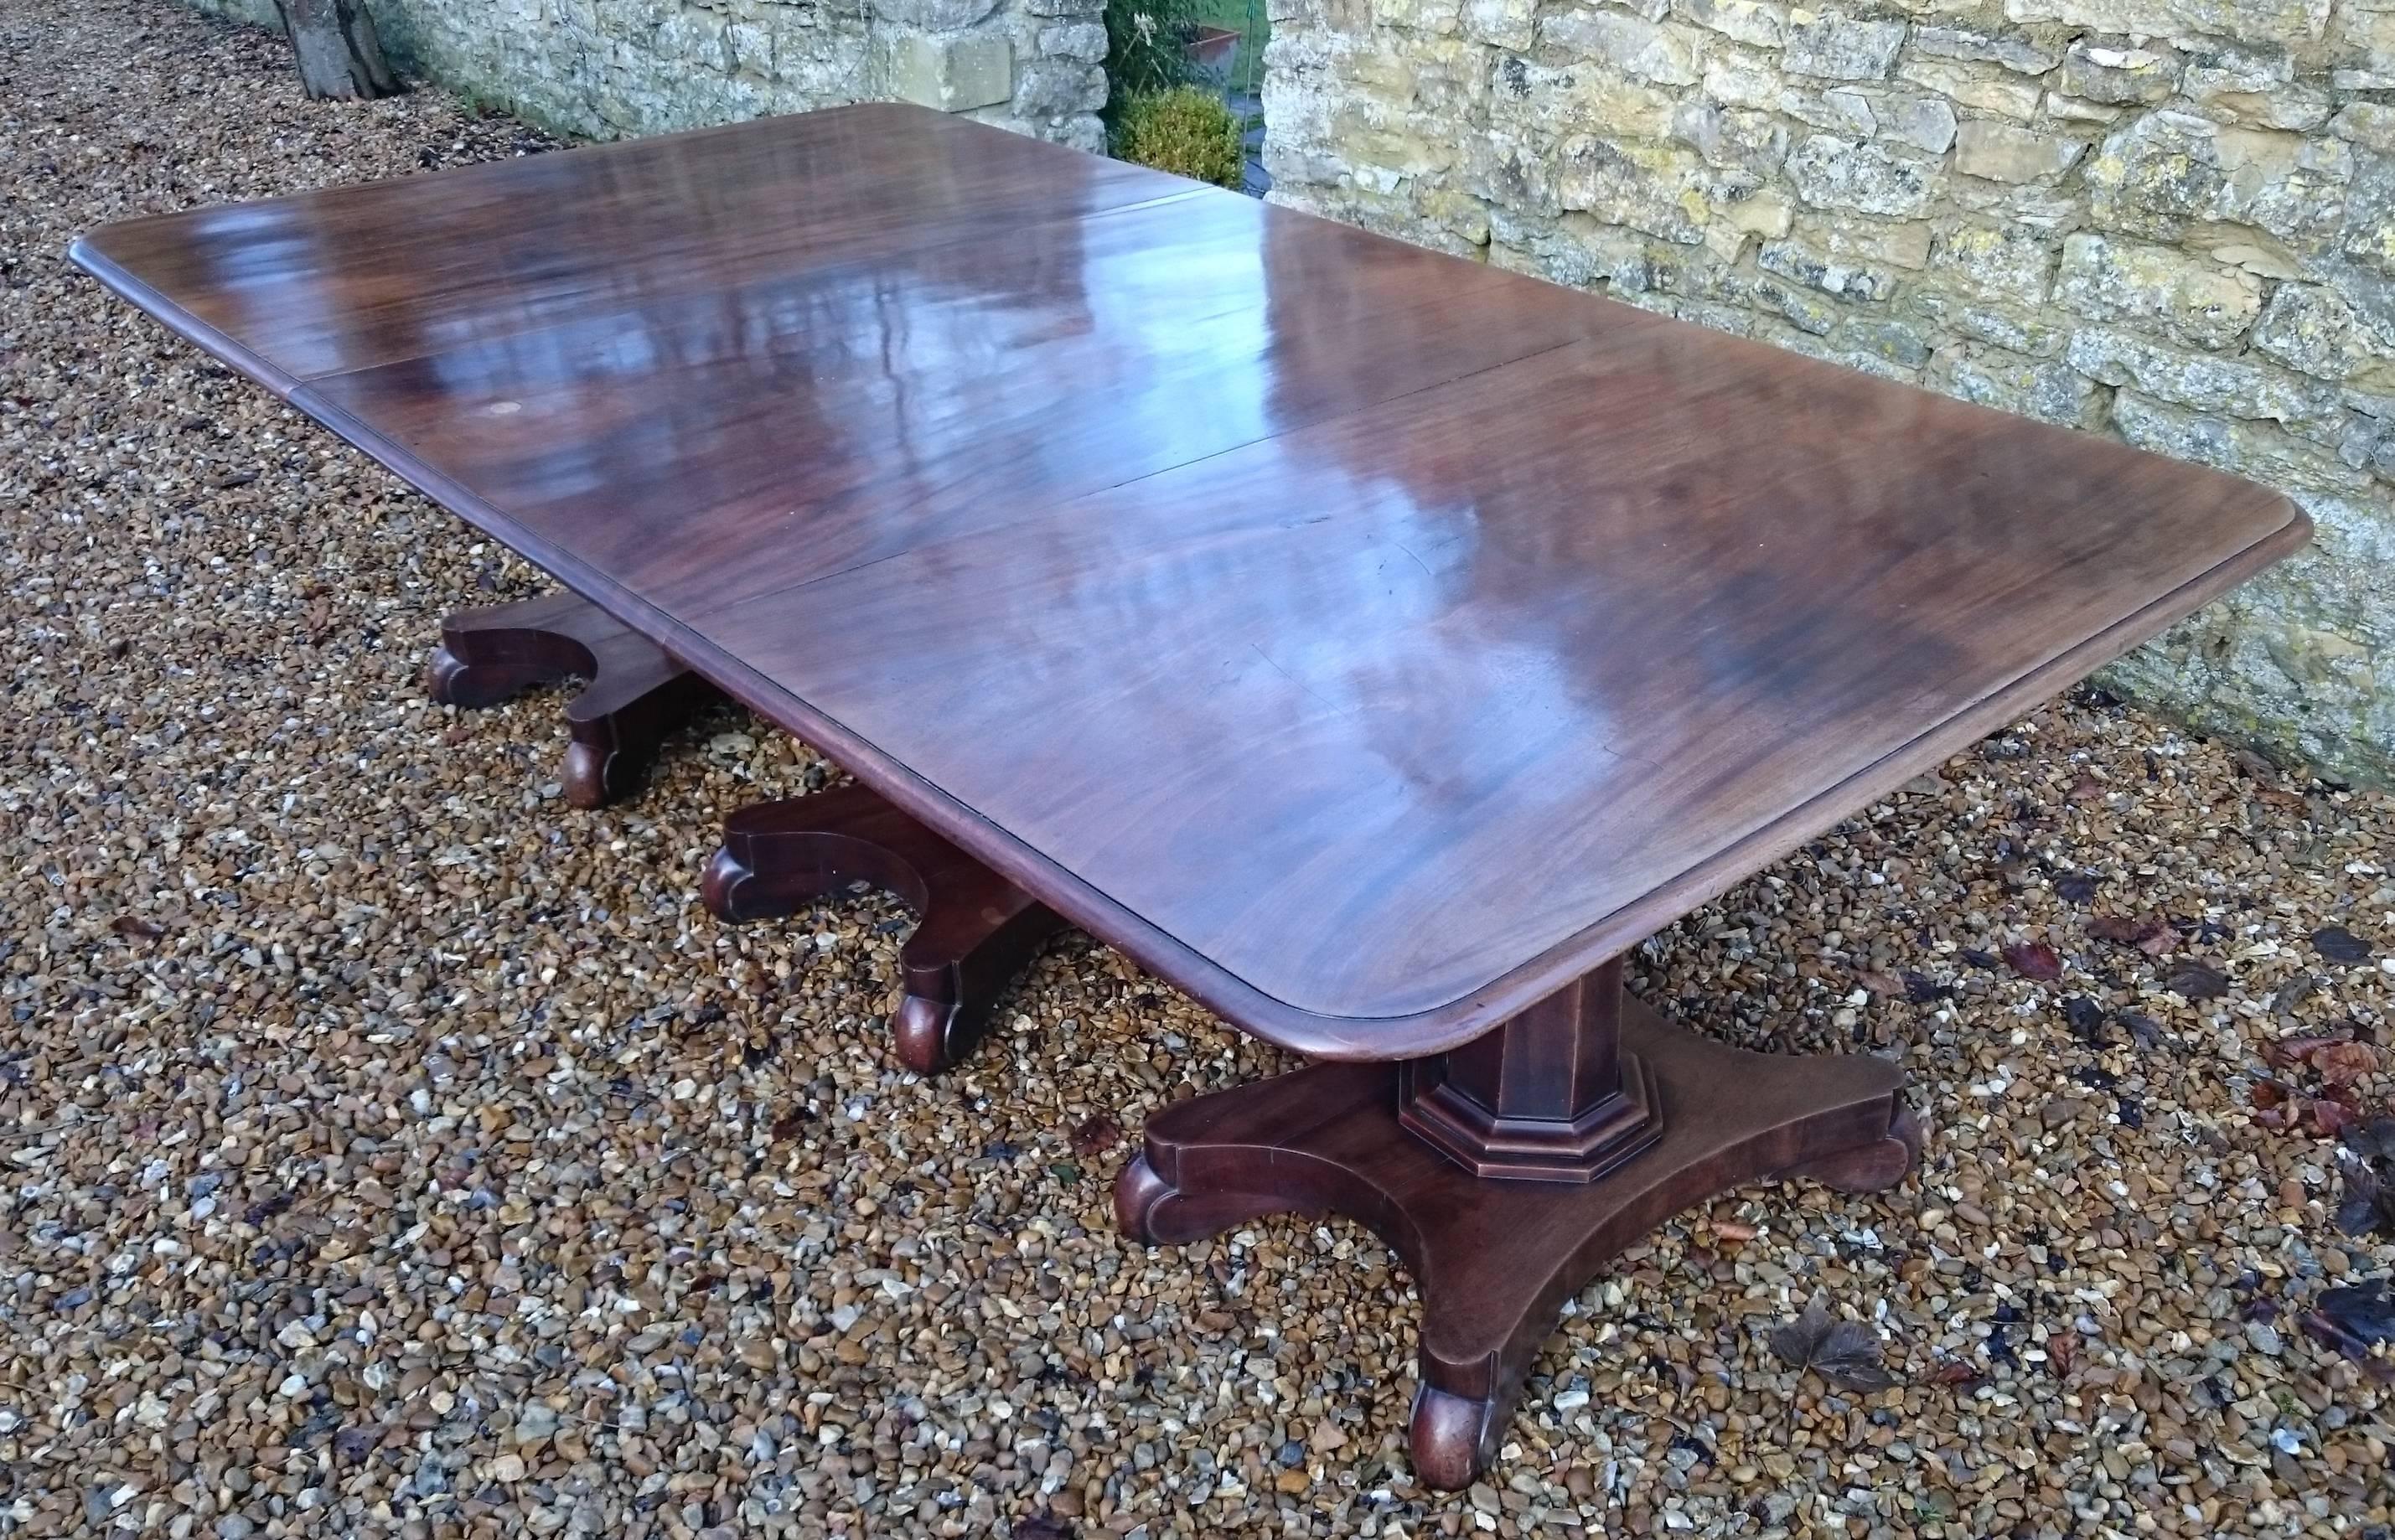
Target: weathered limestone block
(1870,241)
(2368,124)
(1979,89)
(2190,299)
(2178,18)
(2255,86)
(955,73)
(1796,340)
(1808,313)
(2120,75)
(2026,53)
(1659,190)
(2312,330)
(1084,41)
(2254,449)
(1540,101)
(1834,173)
(2002,262)
(1438,18)
(2000,152)
(2034,388)
(1663,55)
(2169,166)
(1925,123)
(2229,386)
(934,14)
(1793,260)
(1756,23)
(1729,135)
(1901,345)
(1840,47)
(1506,23)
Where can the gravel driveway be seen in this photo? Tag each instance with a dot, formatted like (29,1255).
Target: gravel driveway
(388,1148)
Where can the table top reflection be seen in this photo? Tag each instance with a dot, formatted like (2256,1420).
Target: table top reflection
(1368,640)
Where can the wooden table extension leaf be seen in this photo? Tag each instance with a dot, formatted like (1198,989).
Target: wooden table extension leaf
(1374,643)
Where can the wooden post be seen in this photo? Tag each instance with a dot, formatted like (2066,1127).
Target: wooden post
(340,59)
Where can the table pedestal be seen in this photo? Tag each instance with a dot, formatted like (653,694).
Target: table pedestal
(975,930)
(1507,1173)
(637,693)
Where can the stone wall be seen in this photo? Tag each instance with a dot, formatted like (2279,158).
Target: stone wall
(2173,220)
(606,68)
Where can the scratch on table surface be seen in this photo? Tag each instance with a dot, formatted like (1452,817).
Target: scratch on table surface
(1316,696)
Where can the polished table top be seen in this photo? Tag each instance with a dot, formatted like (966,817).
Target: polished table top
(1369,640)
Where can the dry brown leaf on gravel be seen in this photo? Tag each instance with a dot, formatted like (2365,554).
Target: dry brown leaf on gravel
(2340,946)
(2197,981)
(1099,1133)
(2034,960)
(1844,1353)
(2151,934)
(2367,1166)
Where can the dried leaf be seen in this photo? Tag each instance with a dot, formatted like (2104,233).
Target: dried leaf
(2195,981)
(2332,1117)
(2075,887)
(1100,1132)
(2149,933)
(137,929)
(1955,1372)
(2360,1207)
(2375,1141)
(2288,1052)
(1042,1526)
(2254,765)
(2343,1063)
(2085,1019)
(1844,1353)
(1921,989)
(2359,1322)
(2034,960)
(2061,1352)
(2340,946)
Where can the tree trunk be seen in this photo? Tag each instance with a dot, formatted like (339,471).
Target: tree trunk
(339,56)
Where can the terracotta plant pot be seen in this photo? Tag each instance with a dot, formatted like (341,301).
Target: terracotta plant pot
(1215,51)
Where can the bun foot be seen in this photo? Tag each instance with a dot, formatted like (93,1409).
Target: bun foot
(975,930)
(638,693)
(1451,1438)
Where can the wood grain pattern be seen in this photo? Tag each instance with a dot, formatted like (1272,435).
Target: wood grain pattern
(1369,642)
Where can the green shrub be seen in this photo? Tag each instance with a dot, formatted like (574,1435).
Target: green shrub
(1186,131)
(1147,50)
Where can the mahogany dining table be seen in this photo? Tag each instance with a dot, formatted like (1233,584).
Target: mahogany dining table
(1374,643)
